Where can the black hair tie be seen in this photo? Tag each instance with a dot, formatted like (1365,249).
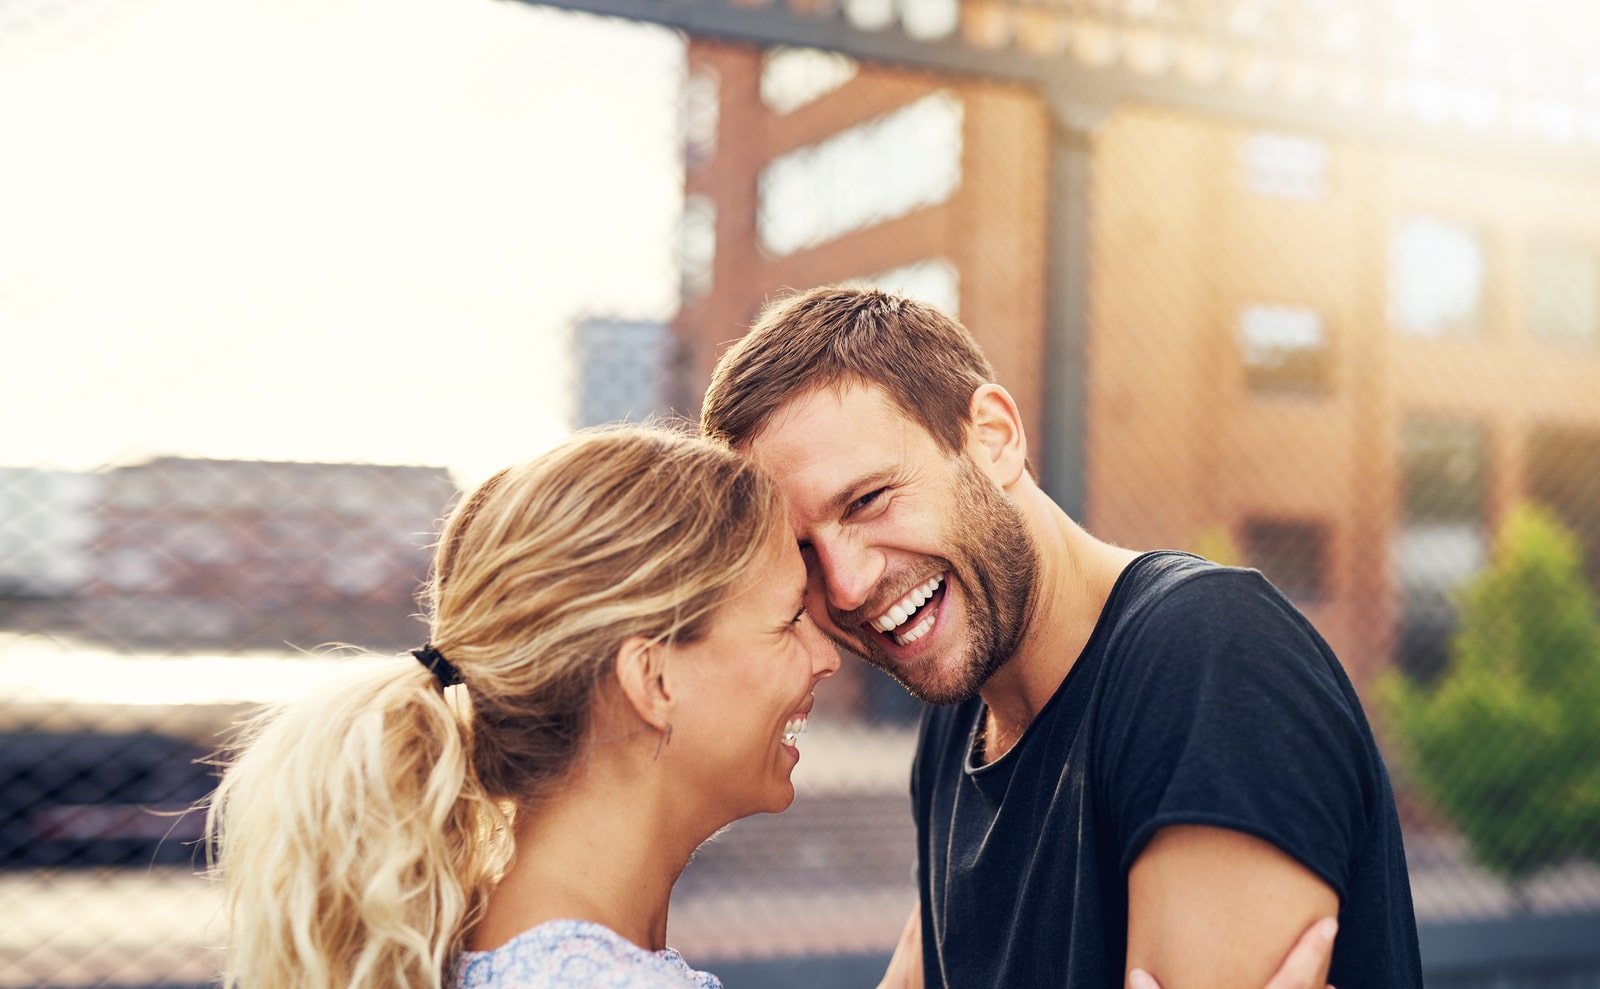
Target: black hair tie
(433,660)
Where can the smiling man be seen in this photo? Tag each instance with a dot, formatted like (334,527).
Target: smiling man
(1136,760)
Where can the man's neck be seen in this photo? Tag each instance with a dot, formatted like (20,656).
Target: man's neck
(1076,574)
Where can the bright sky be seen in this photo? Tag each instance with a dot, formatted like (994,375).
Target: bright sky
(321,229)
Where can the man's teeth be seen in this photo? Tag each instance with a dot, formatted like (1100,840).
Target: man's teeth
(900,612)
(794,727)
(922,628)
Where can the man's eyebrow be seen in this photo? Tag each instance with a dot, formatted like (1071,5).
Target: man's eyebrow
(875,478)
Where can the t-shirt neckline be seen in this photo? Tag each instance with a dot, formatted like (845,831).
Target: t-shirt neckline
(1091,649)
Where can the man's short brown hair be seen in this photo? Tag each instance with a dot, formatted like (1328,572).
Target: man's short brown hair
(837,336)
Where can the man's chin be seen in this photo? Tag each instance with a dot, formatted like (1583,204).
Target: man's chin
(941,695)
(927,682)
(931,684)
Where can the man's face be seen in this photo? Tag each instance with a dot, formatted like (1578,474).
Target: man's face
(916,561)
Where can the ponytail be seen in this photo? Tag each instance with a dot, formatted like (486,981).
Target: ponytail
(353,839)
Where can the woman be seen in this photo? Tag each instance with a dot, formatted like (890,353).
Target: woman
(624,618)
(624,615)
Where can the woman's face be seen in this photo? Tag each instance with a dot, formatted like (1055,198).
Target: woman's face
(746,685)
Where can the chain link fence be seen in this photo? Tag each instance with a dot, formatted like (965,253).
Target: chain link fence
(280,280)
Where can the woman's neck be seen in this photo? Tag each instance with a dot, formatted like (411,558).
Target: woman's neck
(595,852)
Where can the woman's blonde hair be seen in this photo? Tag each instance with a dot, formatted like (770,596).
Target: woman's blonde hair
(359,831)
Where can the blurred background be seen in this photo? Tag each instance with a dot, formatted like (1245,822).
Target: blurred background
(1305,285)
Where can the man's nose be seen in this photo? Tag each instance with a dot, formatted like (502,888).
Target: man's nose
(849,572)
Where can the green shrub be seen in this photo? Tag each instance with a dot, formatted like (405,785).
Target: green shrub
(1507,741)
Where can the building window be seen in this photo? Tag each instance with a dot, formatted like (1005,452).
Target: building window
(1292,554)
(1285,166)
(1441,541)
(697,249)
(701,112)
(871,15)
(1564,295)
(1285,350)
(793,77)
(935,281)
(929,20)
(1436,279)
(1564,475)
(1444,471)
(873,172)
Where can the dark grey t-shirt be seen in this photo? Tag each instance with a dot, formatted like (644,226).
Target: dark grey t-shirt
(1202,697)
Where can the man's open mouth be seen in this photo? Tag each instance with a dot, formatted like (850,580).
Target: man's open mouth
(911,617)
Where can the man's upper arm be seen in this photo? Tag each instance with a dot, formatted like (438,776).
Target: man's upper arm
(1213,907)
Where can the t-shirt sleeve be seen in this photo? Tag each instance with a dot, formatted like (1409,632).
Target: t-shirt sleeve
(1224,708)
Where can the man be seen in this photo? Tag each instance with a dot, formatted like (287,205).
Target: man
(1137,760)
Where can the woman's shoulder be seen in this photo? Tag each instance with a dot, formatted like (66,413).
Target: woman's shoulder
(576,954)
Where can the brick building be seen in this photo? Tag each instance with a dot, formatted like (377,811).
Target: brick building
(1340,360)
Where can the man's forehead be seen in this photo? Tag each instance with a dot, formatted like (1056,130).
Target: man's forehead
(842,402)
(823,446)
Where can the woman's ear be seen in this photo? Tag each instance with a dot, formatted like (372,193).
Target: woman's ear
(642,674)
(995,438)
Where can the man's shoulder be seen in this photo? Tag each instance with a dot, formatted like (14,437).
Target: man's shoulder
(1186,619)
(1170,588)
(1157,574)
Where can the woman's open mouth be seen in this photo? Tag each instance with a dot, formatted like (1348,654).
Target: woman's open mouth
(796,725)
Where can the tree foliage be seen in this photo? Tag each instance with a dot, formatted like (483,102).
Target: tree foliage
(1507,741)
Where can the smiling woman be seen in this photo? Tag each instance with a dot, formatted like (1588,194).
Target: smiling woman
(618,666)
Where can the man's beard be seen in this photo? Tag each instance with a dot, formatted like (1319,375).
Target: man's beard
(994,559)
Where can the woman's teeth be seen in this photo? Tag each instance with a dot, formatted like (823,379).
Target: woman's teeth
(794,727)
(900,612)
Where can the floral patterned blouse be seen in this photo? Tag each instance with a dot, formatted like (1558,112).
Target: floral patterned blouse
(576,954)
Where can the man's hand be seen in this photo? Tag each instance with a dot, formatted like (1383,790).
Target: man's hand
(1305,968)
(905,968)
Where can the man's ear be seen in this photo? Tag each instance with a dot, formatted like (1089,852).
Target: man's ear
(995,438)
(642,674)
